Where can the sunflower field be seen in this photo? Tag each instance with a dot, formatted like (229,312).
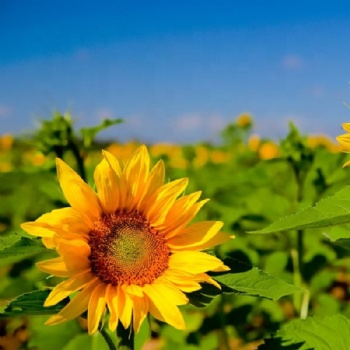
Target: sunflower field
(243,244)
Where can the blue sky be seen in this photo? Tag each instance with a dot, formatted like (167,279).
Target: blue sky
(176,71)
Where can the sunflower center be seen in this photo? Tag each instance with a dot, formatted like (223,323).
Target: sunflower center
(125,249)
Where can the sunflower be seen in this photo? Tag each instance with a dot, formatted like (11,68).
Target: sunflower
(344,140)
(129,247)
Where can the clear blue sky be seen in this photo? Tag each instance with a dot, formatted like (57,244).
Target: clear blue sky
(176,71)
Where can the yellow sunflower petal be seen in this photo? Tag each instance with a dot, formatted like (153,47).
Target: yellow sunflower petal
(346,126)
(96,307)
(195,262)
(68,219)
(75,254)
(119,178)
(133,289)
(112,303)
(163,201)
(107,186)
(195,235)
(39,229)
(55,267)
(188,209)
(203,277)
(136,172)
(219,238)
(140,311)
(154,181)
(113,162)
(76,306)
(344,140)
(48,242)
(68,287)
(163,303)
(125,306)
(184,281)
(78,194)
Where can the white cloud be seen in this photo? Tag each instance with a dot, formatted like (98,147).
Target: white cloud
(278,126)
(292,62)
(197,122)
(197,127)
(188,122)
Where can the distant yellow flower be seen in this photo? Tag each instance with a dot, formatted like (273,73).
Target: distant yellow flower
(244,120)
(127,248)
(202,156)
(124,151)
(6,142)
(219,157)
(324,141)
(172,152)
(268,150)
(5,167)
(254,142)
(344,140)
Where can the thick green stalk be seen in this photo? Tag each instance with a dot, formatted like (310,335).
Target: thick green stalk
(225,338)
(107,338)
(301,299)
(126,337)
(79,159)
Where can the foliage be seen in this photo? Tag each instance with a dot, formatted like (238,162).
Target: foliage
(287,203)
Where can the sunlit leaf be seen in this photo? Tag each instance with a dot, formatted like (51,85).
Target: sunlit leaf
(333,210)
(319,332)
(339,236)
(24,247)
(8,239)
(32,304)
(253,282)
(90,133)
(256,282)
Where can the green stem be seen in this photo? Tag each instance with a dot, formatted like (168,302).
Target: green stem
(225,338)
(79,159)
(107,338)
(301,299)
(304,309)
(126,337)
(297,280)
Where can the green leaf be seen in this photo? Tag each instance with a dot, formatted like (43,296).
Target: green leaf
(203,296)
(339,236)
(25,246)
(334,210)
(90,133)
(32,303)
(255,282)
(319,332)
(279,344)
(8,239)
